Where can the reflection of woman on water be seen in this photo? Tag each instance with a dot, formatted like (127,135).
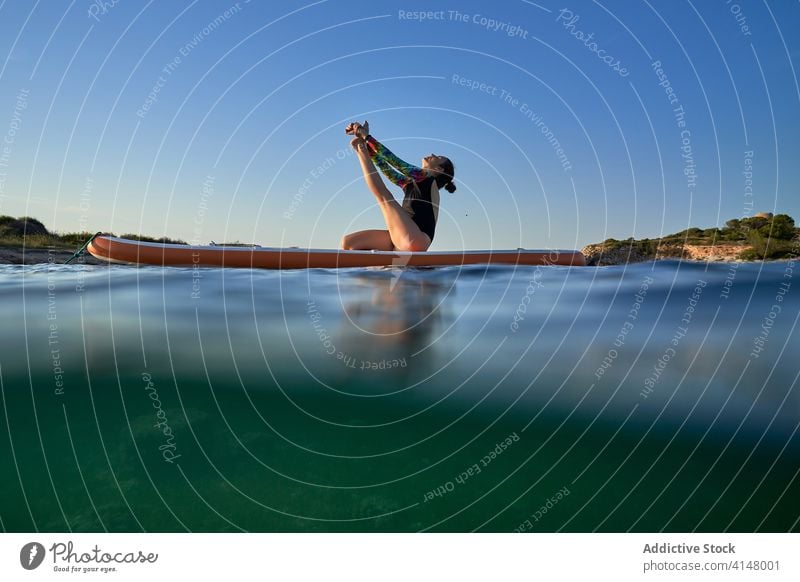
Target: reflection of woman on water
(411,226)
(394,319)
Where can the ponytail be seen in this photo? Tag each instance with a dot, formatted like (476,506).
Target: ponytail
(444,179)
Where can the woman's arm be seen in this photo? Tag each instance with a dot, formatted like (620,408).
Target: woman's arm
(378,151)
(380,154)
(393,175)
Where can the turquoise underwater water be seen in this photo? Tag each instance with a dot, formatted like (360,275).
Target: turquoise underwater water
(652,397)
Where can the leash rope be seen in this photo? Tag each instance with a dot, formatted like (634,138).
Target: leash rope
(81,250)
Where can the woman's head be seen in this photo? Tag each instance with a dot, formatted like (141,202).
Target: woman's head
(443,170)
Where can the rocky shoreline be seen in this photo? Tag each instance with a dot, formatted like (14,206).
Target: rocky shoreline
(620,253)
(28,256)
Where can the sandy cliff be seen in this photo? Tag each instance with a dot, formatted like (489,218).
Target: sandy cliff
(621,252)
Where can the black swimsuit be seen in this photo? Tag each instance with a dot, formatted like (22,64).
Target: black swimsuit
(419,205)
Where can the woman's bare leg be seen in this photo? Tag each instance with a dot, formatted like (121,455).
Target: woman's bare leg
(403,232)
(368,240)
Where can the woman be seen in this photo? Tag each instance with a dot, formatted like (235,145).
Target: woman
(411,226)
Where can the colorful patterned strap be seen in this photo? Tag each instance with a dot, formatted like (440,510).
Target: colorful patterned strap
(384,159)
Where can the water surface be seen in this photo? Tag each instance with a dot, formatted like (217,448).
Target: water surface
(645,398)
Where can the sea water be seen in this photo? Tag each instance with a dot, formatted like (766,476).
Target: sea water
(650,397)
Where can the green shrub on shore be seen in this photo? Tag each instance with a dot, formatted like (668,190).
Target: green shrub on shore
(33,242)
(770,236)
(768,248)
(26,232)
(31,233)
(778,228)
(23,230)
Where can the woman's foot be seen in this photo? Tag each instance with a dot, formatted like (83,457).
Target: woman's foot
(358,144)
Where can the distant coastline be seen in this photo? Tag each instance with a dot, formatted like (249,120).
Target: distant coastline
(765,236)
(638,251)
(761,237)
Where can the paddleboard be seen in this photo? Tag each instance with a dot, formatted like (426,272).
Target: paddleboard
(120,250)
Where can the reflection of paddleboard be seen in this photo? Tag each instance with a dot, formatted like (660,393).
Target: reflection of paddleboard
(120,250)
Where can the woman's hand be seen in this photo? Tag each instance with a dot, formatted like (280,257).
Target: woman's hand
(358,129)
(363,130)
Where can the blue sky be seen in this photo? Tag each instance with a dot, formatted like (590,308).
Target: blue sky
(225,121)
